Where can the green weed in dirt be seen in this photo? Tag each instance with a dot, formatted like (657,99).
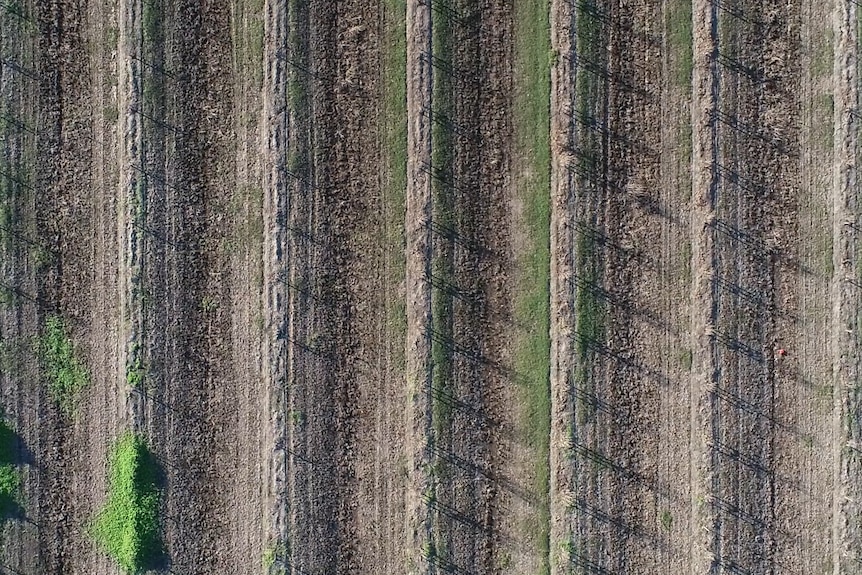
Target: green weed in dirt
(273,559)
(66,374)
(666,520)
(127,528)
(136,372)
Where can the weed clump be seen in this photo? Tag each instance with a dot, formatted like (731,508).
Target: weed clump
(127,528)
(66,374)
(273,559)
(136,373)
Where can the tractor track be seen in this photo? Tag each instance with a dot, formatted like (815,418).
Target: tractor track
(472,235)
(754,231)
(346,439)
(633,378)
(19,42)
(64,140)
(188,400)
(844,343)
(623,333)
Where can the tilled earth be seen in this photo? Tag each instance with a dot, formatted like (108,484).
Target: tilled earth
(288,241)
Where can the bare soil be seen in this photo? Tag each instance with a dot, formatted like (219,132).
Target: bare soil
(723,469)
(327,364)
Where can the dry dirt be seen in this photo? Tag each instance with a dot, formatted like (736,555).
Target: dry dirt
(210,195)
(701,446)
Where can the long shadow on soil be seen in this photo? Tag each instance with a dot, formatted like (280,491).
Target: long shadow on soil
(13,454)
(151,474)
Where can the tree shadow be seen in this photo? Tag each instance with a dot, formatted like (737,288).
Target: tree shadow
(151,479)
(588,565)
(13,453)
(468,22)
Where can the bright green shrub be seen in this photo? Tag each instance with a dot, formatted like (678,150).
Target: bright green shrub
(128,526)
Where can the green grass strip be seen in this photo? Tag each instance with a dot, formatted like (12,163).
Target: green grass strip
(442,268)
(395,182)
(66,374)
(679,27)
(532,304)
(442,265)
(127,528)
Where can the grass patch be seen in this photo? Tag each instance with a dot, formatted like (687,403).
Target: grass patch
(680,39)
(666,520)
(297,77)
(112,37)
(684,151)
(10,357)
(111,114)
(685,359)
(532,299)
(442,268)
(138,200)
(15,9)
(824,108)
(16,175)
(589,321)
(395,183)
(588,308)
(297,417)
(248,40)
(590,43)
(824,392)
(66,374)
(136,373)
(442,265)
(10,481)
(298,153)
(826,254)
(127,528)
(274,557)
(152,17)
(822,56)
(8,298)
(209,304)
(685,256)
(153,81)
